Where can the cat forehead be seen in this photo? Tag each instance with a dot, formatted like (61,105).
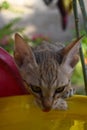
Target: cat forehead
(46,56)
(49,62)
(52,76)
(46,76)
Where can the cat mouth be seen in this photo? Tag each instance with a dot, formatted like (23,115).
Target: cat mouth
(47,104)
(46,109)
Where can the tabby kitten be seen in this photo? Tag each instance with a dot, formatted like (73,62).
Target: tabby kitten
(46,70)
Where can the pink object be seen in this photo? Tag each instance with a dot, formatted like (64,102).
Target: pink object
(10,80)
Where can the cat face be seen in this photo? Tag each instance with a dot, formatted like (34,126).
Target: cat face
(46,81)
(46,72)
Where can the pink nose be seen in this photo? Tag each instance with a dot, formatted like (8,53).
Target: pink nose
(47,104)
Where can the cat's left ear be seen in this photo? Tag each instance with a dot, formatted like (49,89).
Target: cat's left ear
(71,55)
(22,51)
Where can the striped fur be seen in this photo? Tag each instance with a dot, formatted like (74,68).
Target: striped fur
(46,70)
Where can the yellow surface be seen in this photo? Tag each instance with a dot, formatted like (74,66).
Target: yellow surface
(21,113)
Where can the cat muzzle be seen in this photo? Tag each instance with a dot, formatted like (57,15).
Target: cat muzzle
(47,104)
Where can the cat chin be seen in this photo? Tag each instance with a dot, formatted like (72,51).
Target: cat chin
(46,110)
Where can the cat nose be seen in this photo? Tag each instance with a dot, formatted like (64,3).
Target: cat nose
(47,108)
(47,104)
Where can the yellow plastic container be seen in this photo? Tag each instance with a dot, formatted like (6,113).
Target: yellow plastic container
(21,113)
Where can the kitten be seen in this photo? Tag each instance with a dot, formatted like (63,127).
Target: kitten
(46,70)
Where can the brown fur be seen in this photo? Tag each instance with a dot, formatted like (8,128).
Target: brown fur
(47,69)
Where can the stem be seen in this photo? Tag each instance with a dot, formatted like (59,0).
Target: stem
(78,34)
(82,6)
(76,17)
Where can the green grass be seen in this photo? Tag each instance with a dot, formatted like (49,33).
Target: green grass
(77,77)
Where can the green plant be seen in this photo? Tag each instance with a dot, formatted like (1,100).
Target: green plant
(38,39)
(6,32)
(84,44)
(77,77)
(4,5)
(83,10)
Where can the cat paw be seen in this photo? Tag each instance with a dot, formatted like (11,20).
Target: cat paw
(60,104)
(70,92)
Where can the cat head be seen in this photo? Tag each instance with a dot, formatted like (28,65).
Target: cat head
(46,73)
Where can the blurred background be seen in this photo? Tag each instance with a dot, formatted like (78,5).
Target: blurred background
(36,21)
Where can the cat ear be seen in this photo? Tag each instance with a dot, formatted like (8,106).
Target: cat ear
(71,55)
(22,51)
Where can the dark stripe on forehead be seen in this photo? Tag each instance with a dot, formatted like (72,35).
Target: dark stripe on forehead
(48,72)
(43,56)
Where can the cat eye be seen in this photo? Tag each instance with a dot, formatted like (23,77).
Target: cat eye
(35,89)
(60,89)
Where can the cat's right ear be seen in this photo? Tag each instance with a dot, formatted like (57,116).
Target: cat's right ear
(22,51)
(71,55)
